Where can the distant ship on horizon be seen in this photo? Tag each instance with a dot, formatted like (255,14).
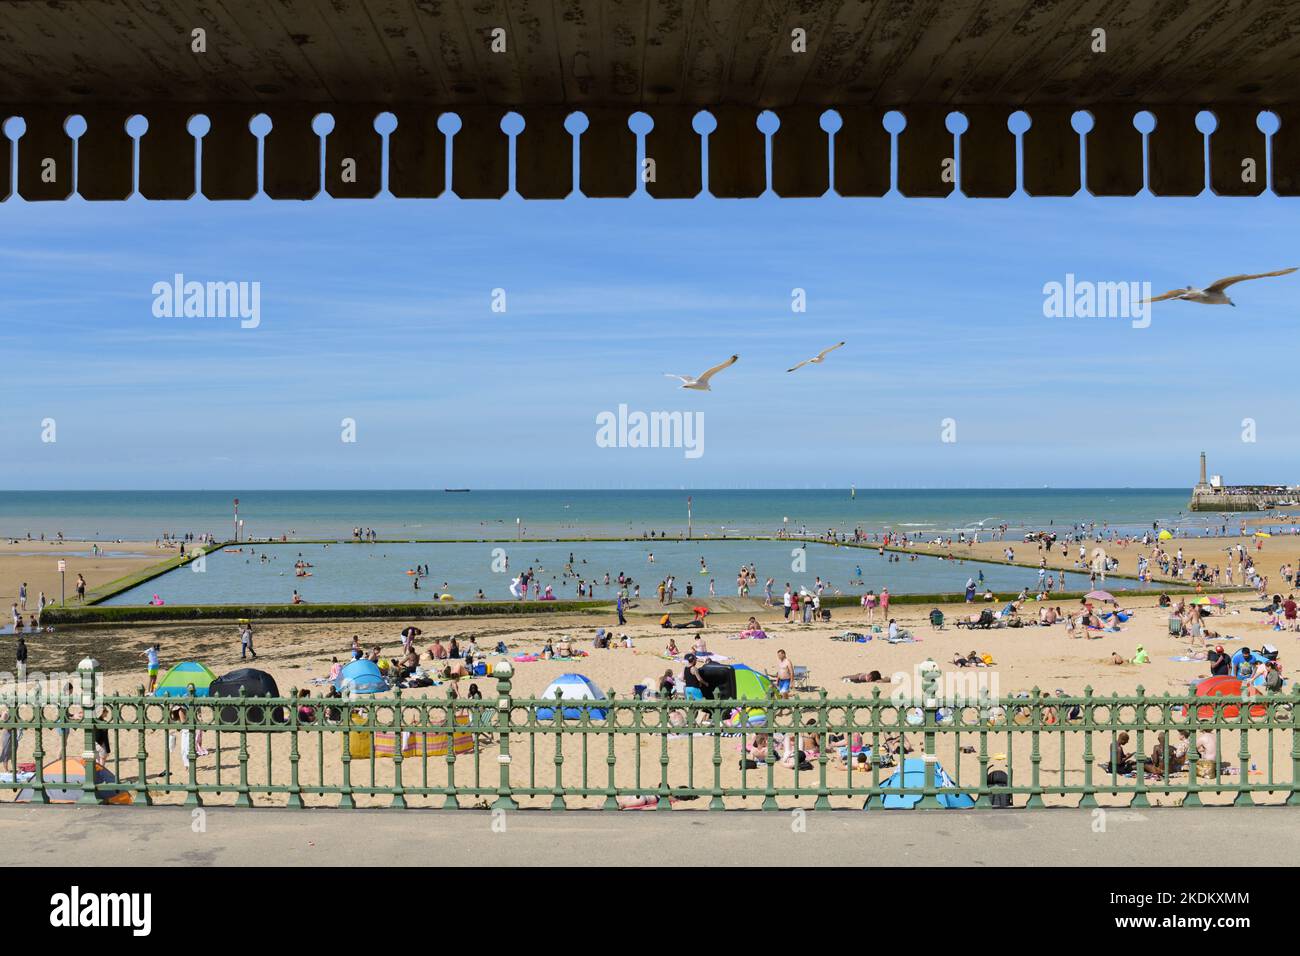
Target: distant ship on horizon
(456,490)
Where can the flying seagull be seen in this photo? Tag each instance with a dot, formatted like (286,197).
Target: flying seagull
(701,383)
(818,358)
(1213,294)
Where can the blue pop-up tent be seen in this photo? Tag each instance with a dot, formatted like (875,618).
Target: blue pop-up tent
(912,774)
(361,677)
(572,687)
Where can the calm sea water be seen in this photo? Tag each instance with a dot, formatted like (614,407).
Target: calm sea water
(145,515)
(378,572)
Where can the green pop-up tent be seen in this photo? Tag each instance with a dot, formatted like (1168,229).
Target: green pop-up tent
(176,682)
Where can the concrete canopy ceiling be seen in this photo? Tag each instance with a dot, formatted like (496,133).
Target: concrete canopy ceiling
(106,60)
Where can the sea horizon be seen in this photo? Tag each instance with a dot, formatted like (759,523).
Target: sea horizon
(406,514)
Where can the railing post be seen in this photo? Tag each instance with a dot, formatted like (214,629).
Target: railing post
(1243,751)
(823,801)
(929,673)
(399,788)
(192,750)
(245,798)
(1294,799)
(89,702)
(557,788)
(716,802)
(769,724)
(503,672)
(1035,749)
(611,727)
(295,796)
(1089,798)
(142,754)
(38,754)
(346,799)
(874,765)
(985,715)
(1139,749)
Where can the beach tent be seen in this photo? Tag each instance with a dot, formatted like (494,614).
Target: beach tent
(64,778)
(912,774)
(361,677)
(572,687)
(175,683)
(1164,536)
(1223,685)
(750,684)
(253,683)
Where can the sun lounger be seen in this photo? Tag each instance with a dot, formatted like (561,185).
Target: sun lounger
(985,621)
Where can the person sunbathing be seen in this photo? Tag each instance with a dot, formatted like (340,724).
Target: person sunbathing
(971,660)
(672,650)
(563,648)
(870,677)
(649,801)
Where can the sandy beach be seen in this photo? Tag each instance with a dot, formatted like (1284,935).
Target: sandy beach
(1025,658)
(36,564)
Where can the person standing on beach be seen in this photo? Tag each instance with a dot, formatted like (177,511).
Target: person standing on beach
(81,588)
(246,641)
(767,593)
(787,601)
(22,596)
(884,603)
(151,655)
(784,674)
(20,656)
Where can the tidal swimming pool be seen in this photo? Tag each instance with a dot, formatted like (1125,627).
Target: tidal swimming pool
(364,573)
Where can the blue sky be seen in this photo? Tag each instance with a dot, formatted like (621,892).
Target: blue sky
(380,311)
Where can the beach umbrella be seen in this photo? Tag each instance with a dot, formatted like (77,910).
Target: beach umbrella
(1208,600)
(1100,596)
(175,683)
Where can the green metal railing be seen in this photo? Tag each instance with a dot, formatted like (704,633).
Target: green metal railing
(810,752)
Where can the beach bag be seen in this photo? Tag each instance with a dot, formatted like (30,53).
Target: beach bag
(359,742)
(1002,801)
